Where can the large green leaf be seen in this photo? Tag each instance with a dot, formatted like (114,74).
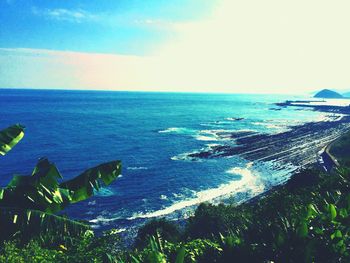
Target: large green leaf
(10,137)
(26,223)
(39,191)
(83,186)
(42,191)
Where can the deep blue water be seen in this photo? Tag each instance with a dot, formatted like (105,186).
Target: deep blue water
(150,133)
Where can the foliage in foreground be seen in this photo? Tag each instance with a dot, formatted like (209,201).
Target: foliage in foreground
(28,203)
(85,248)
(298,222)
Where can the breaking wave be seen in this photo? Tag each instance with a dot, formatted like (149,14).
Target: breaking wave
(248,182)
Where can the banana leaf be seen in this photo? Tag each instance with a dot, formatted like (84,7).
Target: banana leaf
(39,191)
(43,192)
(10,137)
(27,203)
(25,224)
(83,186)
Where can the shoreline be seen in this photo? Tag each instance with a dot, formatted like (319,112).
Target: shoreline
(314,152)
(300,146)
(329,161)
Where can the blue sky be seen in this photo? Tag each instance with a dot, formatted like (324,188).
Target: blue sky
(250,46)
(120,26)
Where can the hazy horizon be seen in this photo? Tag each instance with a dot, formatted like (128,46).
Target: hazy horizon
(220,46)
(162,91)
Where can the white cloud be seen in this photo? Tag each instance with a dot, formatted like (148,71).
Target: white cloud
(62,14)
(109,19)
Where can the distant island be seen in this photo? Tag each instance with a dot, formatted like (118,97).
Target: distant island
(328,94)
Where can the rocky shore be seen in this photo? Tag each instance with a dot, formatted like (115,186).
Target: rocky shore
(299,146)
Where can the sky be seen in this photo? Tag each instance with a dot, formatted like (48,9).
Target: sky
(250,46)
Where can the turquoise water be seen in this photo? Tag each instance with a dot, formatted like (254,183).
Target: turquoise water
(151,133)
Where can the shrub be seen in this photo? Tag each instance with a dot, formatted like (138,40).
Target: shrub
(165,229)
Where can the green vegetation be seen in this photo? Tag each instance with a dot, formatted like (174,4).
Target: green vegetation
(340,149)
(28,203)
(305,220)
(10,137)
(167,230)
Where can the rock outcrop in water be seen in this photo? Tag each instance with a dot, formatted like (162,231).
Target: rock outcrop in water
(298,146)
(328,94)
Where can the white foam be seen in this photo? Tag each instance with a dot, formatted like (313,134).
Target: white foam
(325,102)
(177,195)
(277,127)
(248,182)
(211,135)
(137,168)
(169,130)
(210,145)
(163,197)
(329,117)
(176,130)
(245,130)
(205,138)
(102,219)
(214,132)
(185,157)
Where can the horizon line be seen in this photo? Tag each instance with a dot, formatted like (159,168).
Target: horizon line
(155,91)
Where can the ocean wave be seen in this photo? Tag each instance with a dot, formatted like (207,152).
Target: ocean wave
(330,117)
(276,126)
(163,197)
(191,156)
(211,135)
(214,131)
(211,124)
(102,220)
(248,182)
(137,168)
(179,130)
(205,138)
(185,157)
(211,145)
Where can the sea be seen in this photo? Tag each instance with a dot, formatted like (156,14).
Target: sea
(152,134)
